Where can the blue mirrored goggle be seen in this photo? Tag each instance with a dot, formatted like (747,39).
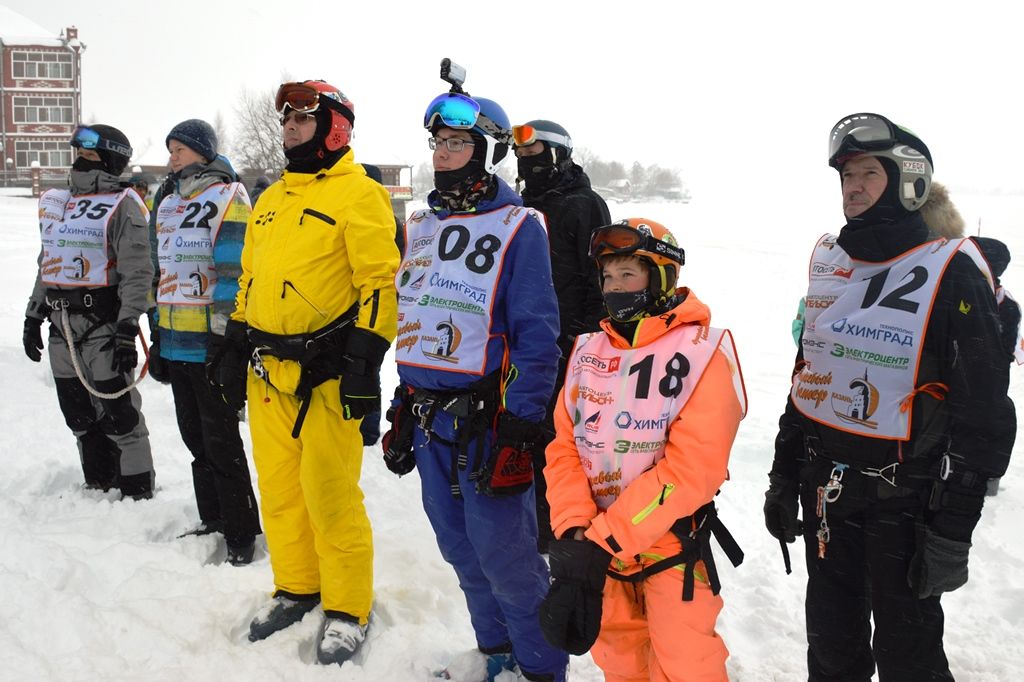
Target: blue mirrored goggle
(455,111)
(87,138)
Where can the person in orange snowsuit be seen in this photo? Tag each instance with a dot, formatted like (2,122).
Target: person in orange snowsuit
(645,423)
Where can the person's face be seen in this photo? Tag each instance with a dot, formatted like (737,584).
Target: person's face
(297,129)
(530,149)
(624,276)
(182,155)
(445,160)
(88,154)
(864,181)
(141,190)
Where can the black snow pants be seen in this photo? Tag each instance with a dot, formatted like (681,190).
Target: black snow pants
(220,472)
(863,577)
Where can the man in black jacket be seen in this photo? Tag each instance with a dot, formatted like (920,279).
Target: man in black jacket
(560,189)
(896,419)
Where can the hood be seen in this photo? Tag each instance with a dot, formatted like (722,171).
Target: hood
(995,252)
(505,196)
(93,182)
(196,178)
(940,215)
(690,310)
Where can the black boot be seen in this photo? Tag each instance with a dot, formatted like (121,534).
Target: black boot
(284,610)
(137,486)
(241,554)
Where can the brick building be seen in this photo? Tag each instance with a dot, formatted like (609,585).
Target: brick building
(40,96)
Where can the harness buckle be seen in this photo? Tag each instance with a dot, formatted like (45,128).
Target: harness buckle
(87,300)
(886,473)
(945,467)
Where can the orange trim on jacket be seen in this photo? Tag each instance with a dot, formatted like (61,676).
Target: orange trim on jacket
(693,469)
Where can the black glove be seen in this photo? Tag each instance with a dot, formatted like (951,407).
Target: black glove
(570,615)
(782,507)
(939,565)
(227,364)
(158,367)
(125,356)
(509,467)
(397,442)
(360,381)
(32,338)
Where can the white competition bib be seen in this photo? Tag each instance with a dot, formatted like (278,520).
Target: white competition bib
(447,284)
(73,230)
(186,232)
(863,335)
(623,400)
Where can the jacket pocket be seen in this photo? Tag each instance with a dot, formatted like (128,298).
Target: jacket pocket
(286,285)
(318,215)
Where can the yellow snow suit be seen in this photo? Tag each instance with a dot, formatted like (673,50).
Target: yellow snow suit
(316,244)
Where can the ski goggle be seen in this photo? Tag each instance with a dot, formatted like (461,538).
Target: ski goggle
(860,133)
(624,240)
(297,96)
(526,134)
(87,138)
(454,109)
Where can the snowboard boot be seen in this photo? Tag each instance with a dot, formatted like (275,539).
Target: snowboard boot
(480,664)
(241,554)
(284,610)
(340,638)
(137,486)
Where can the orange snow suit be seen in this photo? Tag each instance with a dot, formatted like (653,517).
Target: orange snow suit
(647,631)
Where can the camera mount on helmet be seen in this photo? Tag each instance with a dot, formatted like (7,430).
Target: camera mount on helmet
(454,74)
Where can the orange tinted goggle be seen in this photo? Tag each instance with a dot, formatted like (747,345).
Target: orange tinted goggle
(525,135)
(297,96)
(621,239)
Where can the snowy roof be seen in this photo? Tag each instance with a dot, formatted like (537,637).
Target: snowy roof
(17,30)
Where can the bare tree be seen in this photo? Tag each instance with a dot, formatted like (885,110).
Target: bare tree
(220,127)
(257,144)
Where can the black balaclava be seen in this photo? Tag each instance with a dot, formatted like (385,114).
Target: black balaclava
(312,156)
(545,171)
(888,209)
(85,165)
(461,189)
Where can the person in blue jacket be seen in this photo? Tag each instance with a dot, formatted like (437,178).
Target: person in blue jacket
(477,357)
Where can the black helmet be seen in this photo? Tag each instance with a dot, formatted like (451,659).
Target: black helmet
(110,143)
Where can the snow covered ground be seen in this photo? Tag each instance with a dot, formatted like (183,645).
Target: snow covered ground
(92,588)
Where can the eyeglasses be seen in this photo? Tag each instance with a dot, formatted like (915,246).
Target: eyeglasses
(454,144)
(455,110)
(87,138)
(526,134)
(623,239)
(860,133)
(296,116)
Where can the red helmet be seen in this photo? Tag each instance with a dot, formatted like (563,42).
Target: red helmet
(306,97)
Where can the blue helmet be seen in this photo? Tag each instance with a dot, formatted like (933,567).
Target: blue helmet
(482,117)
(494,125)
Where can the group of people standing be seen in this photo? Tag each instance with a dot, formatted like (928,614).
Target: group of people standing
(559,391)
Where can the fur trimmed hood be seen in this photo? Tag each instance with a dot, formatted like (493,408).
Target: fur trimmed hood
(941,215)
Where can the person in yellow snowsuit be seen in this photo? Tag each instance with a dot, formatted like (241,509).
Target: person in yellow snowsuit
(315,314)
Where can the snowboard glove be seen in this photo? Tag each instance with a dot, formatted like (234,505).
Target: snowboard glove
(397,442)
(125,356)
(159,368)
(32,338)
(227,364)
(360,380)
(781,508)
(570,615)
(939,565)
(509,467)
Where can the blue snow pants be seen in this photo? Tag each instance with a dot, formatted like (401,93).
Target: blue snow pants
(492,545)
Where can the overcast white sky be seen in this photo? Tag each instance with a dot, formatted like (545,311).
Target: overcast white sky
(740,96)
